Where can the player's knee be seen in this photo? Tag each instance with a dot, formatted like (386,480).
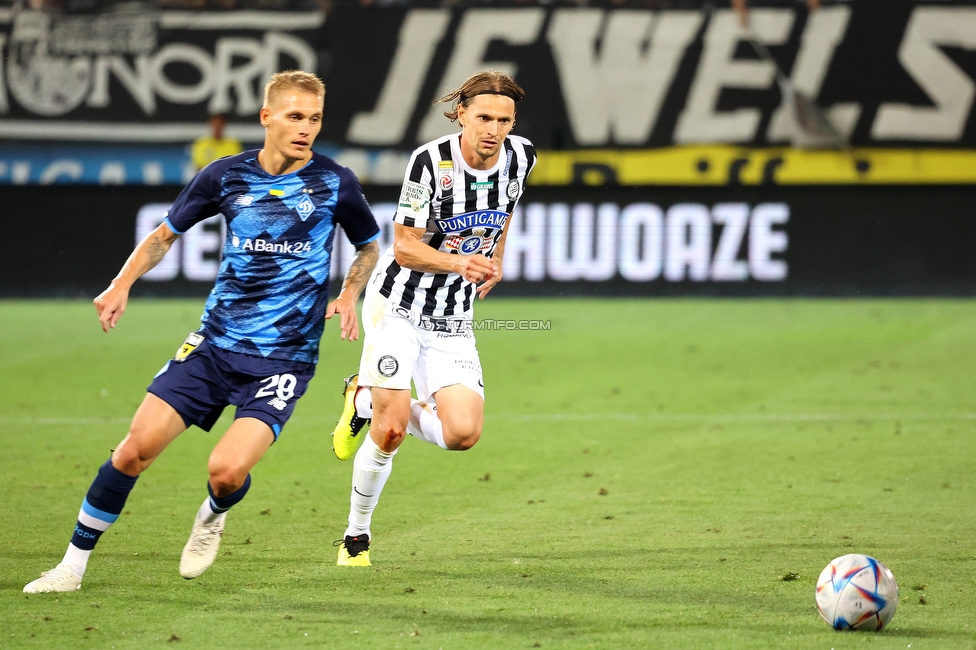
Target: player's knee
(390,429)
(130,457)
(462,438)
(467,443)
(392,436)
(126,459)
(226,475)
(226,480)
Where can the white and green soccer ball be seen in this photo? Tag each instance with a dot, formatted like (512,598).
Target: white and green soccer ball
(857,592)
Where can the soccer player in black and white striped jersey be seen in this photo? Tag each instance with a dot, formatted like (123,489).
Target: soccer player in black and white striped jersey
(458,195)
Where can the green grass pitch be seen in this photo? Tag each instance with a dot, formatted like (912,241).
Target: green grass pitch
(652,474)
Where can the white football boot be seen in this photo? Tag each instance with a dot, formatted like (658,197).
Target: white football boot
(201,549)
(59,579)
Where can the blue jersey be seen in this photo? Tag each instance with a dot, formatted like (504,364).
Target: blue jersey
(273,285)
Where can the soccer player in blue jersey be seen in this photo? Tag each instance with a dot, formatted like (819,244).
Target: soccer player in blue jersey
(258,343)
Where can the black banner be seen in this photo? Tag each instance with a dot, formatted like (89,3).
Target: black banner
(892,73)
(887,73)
(151,76)
(829,241)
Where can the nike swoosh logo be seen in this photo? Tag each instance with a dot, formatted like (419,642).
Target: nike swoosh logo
(368,496)
(481,383)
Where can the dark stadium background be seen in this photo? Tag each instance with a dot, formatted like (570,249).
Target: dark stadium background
(888,211)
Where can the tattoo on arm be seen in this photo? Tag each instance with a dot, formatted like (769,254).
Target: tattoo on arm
(361,269)
(156,251)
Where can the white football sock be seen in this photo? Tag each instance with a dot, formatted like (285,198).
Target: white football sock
(77,559)
(206,514)
(364,403)
(370,470)
(424,423)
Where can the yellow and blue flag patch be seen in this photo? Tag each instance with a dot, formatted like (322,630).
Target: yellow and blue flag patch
(277,190)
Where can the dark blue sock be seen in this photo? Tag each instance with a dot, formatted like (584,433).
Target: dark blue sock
(102,505)
(223,504)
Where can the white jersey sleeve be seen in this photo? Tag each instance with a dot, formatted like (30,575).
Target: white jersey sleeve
(413,208)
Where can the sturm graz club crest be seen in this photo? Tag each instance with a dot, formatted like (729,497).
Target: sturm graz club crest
(388,365)
(473,243)
(470,245)
(41,79)
(512,191)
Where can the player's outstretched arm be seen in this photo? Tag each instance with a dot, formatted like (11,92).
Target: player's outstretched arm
(352,286)
(110,304)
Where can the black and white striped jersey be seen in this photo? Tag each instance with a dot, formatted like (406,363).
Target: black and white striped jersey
(464,212)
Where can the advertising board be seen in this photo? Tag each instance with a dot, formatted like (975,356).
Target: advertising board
(639,241)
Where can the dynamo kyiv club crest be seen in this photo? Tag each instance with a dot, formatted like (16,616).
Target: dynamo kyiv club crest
(305,207)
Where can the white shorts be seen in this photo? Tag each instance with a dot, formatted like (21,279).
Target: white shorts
(395,349)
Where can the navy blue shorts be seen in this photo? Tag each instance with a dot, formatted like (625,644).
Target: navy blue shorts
(209,378)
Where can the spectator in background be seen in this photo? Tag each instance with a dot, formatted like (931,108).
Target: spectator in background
(208,148)
(742,9)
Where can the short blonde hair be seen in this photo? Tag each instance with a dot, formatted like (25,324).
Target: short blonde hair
(282,81)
